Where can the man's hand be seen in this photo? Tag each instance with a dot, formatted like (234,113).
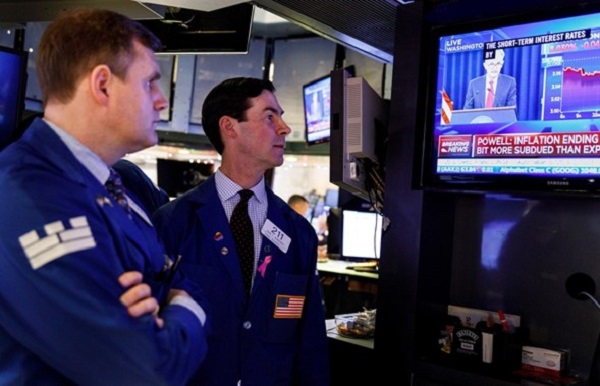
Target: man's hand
(138,297)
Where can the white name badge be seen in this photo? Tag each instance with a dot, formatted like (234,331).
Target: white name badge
(276,236)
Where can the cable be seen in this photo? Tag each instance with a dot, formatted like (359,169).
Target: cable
(593,299)
(374,184)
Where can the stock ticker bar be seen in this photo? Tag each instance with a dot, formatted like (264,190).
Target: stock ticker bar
(531,153)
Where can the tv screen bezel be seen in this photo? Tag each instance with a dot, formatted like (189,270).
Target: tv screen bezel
(305,87)
(429,179)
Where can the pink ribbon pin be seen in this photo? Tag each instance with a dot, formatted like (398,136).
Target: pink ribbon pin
(263,267)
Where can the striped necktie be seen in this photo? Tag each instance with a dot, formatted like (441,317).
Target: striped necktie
(115,187)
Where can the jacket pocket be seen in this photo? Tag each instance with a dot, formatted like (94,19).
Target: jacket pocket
(288,303)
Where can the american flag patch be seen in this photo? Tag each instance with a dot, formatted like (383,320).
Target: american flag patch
(59,240)
(288,306)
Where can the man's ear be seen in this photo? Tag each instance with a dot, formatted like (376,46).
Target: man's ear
(227,125)
(100,79)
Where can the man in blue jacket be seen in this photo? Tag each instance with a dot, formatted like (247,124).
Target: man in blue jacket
(82,269)
(275,335)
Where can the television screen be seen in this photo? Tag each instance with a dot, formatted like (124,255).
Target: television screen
(13,74)
(317,107)
(515,105)
(361,234)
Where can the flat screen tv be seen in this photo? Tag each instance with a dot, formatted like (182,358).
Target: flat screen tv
(514,105)
(189,31)
(13,76)
(317,110)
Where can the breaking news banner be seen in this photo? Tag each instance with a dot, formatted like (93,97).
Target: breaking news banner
(520,145)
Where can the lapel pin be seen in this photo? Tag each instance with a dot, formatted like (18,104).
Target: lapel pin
(101,201)
(263,266)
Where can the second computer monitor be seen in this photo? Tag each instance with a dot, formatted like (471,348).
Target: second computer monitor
(361,235)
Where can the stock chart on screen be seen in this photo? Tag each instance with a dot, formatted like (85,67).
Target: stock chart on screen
(518,99)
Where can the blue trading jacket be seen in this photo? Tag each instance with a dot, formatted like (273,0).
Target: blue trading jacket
(63,245)
(251,342)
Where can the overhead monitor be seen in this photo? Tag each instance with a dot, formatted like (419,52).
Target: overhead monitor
(189,31)
(513,104)
(317,107)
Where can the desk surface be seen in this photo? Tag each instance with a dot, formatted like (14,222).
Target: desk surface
(340,267)
(333,334)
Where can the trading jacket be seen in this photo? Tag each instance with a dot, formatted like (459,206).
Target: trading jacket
(251,341)
(63,245)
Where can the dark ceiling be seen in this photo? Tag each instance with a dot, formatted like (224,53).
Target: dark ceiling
(369,25)
(365,25)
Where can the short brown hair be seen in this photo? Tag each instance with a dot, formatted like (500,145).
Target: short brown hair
(80,39)
(230,97)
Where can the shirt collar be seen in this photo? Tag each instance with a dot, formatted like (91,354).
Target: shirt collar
(88,158)
(227,188)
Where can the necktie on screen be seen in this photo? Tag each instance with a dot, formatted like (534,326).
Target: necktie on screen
(489,100)
(114,185)
(243,234)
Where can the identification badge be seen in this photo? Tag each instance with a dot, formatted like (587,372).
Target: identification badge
(276,236)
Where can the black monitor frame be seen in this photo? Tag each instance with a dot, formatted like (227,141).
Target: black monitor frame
(322,135)
(10,128)
(475,179)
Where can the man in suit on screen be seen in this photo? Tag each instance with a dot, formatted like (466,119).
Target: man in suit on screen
(492,89)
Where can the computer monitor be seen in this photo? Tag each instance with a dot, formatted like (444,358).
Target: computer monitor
(359,118)
(317,107)
(361,235)
(13,77)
